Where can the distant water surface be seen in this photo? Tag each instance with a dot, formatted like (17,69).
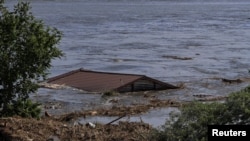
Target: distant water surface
(141,37)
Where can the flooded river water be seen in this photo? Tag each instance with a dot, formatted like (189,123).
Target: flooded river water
(190,43)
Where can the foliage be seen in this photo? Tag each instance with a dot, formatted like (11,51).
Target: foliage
(238,107)
(27,48)
(25,108)
(190,124)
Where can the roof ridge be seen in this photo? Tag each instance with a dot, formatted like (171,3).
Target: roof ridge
(64,75)
(85,70)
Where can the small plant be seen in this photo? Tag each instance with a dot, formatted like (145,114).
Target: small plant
(23,108)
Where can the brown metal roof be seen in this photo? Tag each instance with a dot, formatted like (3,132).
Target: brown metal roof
(94,81)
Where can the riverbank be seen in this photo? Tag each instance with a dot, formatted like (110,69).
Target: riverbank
(50,129)
(68,127)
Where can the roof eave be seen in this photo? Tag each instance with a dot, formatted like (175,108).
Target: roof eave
(165,85)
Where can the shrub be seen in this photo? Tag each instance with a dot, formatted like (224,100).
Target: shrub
(27,48)
(24,108)
(190,124)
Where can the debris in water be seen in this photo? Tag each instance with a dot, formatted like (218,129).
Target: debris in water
(231,80)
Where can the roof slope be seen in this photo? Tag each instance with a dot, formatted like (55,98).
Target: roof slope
(94,81)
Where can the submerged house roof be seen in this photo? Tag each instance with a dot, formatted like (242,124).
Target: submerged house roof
(94,81)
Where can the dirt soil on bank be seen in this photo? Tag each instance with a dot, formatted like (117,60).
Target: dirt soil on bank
(50,129)
(66,128)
